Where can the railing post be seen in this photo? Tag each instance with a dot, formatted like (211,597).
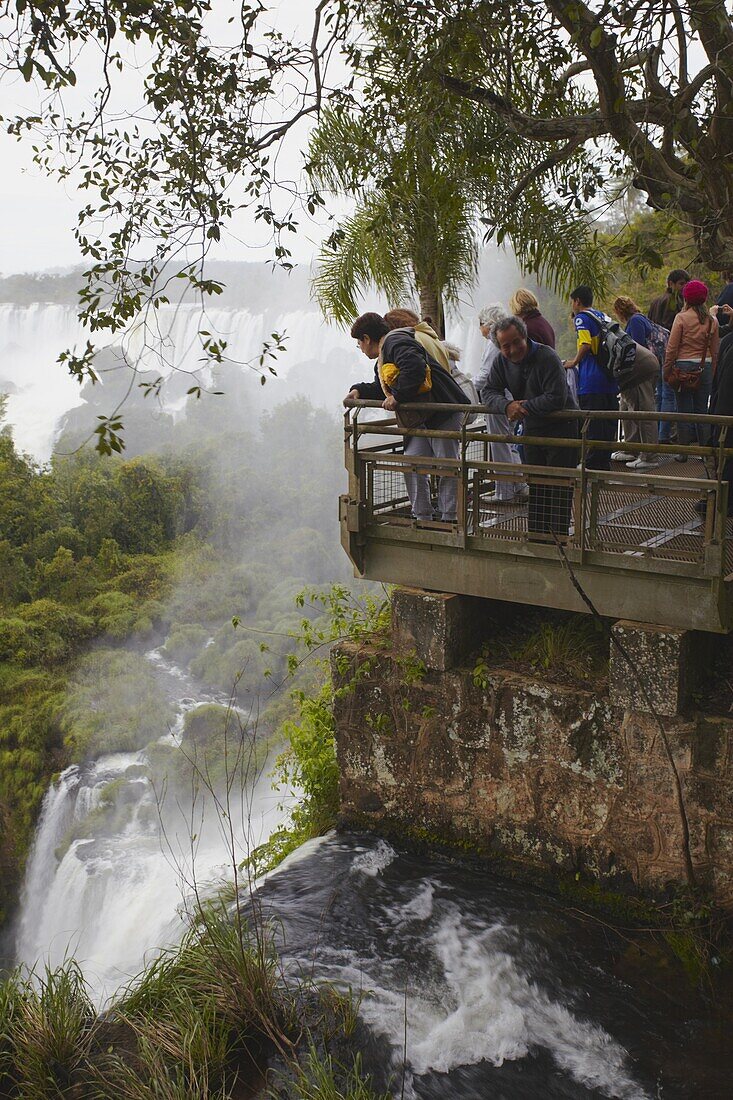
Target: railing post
(476,502)
(583,487)
(462,512)
(721,505)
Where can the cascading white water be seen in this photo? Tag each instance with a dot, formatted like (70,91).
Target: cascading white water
(116,859)
(41,391)
(448,979)
(31,339)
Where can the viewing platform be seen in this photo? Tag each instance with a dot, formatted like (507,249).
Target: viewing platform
(636,545)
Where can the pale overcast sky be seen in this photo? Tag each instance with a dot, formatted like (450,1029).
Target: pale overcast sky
(38,213)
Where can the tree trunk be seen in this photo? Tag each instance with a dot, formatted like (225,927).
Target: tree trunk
(431,306)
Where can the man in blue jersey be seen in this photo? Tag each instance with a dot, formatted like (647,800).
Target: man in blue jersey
(596,391)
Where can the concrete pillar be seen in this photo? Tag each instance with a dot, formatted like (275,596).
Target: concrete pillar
(669,663)
(442,628)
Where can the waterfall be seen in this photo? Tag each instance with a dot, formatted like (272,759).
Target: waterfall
(41,391)
(117,858)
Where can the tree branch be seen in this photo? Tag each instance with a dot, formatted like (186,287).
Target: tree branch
(580,127)
(621,115)
(633,61)
(551,161)
(688,93)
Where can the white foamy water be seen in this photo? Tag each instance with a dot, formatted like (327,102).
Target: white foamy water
(462,989)
(41,390)
(489,1010)
(114,897)
(117,860)
(371,863)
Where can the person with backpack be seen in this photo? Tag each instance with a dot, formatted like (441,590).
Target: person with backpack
(639,395)
(597,389)
(691,360)
(405,372)
(425,334)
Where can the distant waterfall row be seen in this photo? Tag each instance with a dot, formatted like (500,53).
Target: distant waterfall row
(41,391)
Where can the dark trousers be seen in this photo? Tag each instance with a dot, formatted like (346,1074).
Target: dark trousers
(600,429)
(550,505)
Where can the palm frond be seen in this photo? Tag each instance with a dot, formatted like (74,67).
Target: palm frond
(366,251)
(340,152)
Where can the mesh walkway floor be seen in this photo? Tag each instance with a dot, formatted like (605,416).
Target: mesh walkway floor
(631,519)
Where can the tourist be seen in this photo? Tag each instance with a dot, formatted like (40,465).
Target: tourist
(691,359)
(533,374)
(405,372)
(524,304)
(640,396)
(597,391)
(506,490)
(724,313)
(425,334)
(665,307)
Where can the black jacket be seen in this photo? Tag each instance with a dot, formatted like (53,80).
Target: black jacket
(411,359)
(541,383)
(664,308)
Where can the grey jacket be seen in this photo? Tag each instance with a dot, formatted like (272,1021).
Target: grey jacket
(490,355)
(539,381)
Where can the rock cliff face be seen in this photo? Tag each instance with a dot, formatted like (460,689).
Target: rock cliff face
(555,777)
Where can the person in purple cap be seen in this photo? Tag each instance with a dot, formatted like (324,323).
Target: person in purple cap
(692,348)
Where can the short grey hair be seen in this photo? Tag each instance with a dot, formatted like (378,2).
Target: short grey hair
(509,322)
(492,313)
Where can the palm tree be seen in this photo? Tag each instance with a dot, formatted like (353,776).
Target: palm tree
(413,228)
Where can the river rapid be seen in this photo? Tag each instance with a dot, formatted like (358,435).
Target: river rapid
(500,992)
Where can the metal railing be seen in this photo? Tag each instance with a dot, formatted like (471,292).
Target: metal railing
(673,518)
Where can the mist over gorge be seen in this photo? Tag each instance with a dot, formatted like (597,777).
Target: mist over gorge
(219,507)
(38,320)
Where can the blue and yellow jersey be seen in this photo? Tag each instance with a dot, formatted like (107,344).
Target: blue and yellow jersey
(591,377)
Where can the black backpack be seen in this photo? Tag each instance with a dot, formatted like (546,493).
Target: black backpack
(616,350)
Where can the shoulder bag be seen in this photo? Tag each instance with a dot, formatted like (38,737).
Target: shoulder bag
(689,381)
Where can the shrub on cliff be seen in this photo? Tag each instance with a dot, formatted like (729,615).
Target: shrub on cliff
(205,1021)
(43,633)
(184,641)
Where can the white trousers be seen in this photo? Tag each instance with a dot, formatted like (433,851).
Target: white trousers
(498,424)
(418,485)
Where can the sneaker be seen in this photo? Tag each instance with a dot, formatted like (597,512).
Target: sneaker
(680,458)
(621,456)
(701,507)
(641,463)
(496,499)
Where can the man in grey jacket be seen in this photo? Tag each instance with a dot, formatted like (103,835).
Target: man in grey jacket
(506,491)
(534,375)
